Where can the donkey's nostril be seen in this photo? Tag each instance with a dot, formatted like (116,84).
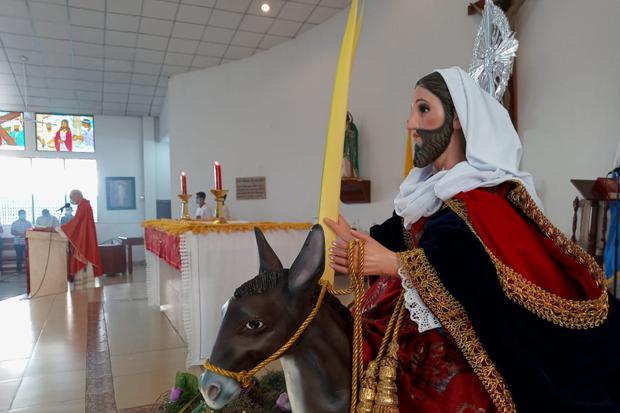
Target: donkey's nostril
(213,391)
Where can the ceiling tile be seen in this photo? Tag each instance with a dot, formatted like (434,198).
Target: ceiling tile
(122,22)
(276,5)
(239,6)
(14,8)
(62,47)
(89,85)
(340,4)
(187,31)
(193,14)
(306,27)
(120,38)
(146,68)
(115,98)
(170,70)
(57,73)
(183,46)
(144,80)
(88,4)
(205,61)
(52,30)
(125,6)
(296,11)
(161,90)
(38,91)
(270,41)
(16,25)
(118,66)
(38,101)
(238,52)
(137,109)
(147,41)
(80,74)
(84,62)
(144,99)
(321,14)
(7,79)
(16,41)
(36,71)
(118,52)
(226,19)
(212,49)
(87,34)
(151,56)
(89,18)
(88,49)
(178,59)
(309,1)
(204,3)
(109,87)
(156,27)
(159,9)
(258,24)
(117,77)
(33,81)
(247,39)
(218,35)
(284,28)
(48,12)
(88,95)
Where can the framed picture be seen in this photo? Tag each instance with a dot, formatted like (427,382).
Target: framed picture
(12,131)
(120,192)
(65,133)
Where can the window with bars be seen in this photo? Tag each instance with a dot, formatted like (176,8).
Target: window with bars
(34,184)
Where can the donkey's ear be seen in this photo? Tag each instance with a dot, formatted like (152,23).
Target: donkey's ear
(269,261)
(310,263)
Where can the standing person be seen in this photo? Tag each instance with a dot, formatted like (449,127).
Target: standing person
(203,212)
(18,230)
(46,137)
(63,140)
(82,236)
(17,133)
(46,220)
(68,216)
(505,313)
(87,133)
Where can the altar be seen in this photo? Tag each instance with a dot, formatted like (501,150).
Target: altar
(193,268)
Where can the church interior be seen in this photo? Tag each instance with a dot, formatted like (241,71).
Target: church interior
(148,146)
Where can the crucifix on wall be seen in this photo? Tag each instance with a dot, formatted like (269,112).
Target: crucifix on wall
(510,8)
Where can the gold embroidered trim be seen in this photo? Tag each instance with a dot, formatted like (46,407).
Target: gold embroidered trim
(566,313)
(455,320)
(175,227)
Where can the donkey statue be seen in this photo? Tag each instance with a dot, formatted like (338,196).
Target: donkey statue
(265,312)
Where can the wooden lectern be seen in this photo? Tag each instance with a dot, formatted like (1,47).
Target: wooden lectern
(47,262)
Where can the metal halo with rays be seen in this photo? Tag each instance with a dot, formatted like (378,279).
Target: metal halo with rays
(495,48)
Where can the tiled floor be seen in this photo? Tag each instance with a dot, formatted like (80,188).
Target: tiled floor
(12,284)
(58,353)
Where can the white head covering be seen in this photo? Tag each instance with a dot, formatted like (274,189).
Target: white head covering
(493,153)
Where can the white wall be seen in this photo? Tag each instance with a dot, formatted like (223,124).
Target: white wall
(119,152)
(568,96)
(267,114)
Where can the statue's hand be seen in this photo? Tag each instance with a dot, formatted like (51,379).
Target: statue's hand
(341,228)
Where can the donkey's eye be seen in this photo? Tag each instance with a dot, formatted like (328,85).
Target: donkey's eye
(254,324)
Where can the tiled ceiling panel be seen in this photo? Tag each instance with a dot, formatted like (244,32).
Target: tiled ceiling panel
(114,57)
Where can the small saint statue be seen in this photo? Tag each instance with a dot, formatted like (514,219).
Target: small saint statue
(350,163)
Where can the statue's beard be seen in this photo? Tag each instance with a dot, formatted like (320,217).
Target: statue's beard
(434,143)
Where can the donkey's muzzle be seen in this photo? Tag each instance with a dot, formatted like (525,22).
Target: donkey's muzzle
(218,390)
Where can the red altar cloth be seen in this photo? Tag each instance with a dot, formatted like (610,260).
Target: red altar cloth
(164,245)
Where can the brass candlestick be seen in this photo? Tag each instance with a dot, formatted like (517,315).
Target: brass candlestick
(220,197)
(184,208)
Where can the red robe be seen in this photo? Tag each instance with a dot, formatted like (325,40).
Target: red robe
(68,141)
(82,236)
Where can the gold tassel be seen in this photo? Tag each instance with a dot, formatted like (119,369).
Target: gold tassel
(368,388)
(386,400)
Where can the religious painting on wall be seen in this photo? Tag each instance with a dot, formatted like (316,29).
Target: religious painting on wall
(65,133)
(120,192)
(12,136)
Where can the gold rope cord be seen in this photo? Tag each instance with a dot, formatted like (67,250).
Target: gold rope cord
(174,227)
